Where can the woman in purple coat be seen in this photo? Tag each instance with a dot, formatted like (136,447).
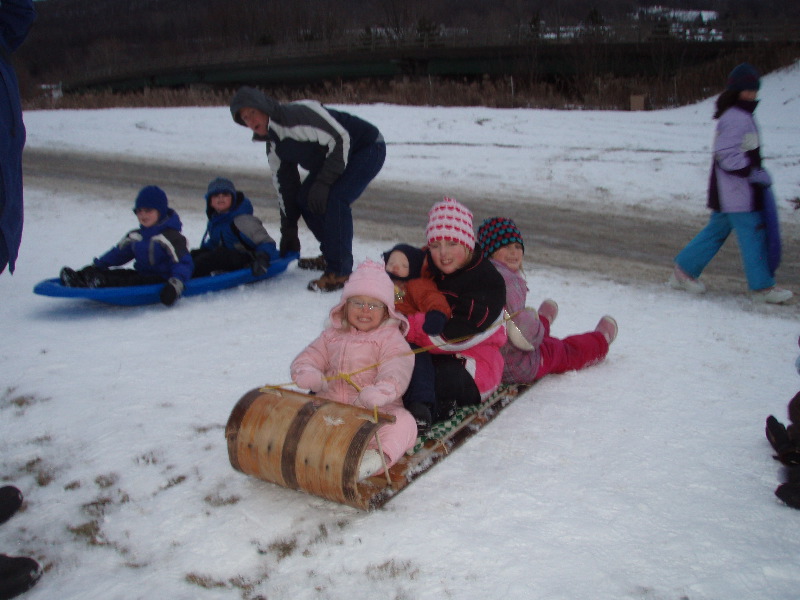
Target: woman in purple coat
(735,195)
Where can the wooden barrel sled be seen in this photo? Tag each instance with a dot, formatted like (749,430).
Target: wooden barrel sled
(302,442)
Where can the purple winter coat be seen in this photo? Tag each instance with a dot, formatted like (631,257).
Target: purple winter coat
(736,153)
(521,366)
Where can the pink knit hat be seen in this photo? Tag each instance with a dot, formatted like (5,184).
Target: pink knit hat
(450,220)
(369,279)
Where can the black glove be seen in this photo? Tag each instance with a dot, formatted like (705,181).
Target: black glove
(434,322)
(260,264)
(289,242)
(318,197)
(171,291)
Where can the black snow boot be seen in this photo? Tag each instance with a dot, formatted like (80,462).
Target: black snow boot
(789,492)
(787,451)
(422,415)
(17,574)
(10,501)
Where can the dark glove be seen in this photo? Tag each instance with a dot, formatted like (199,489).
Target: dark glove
(318,197)
(260,264)
(434,322)
(760,177)
(171,291)
(289,242)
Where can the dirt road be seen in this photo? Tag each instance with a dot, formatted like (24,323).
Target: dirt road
(628,248)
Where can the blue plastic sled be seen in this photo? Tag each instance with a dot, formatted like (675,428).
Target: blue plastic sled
(139,295)
(773,231)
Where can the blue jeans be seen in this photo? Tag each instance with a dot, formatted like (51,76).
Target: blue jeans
(752,237)
(334,229)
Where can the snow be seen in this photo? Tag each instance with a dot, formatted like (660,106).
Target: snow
(647,476)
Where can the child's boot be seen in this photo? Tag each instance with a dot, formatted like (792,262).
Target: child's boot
(549,310)
(608,327)
(787,451)
(10,501)
(17,574)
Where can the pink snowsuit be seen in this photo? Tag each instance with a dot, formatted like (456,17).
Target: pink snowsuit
(342,349)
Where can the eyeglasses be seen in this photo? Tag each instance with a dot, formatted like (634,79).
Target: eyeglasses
(358,305)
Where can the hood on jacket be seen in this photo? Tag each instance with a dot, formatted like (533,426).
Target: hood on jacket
(369,279)
(254,98)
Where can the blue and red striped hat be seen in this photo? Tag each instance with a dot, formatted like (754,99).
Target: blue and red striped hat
(496,232)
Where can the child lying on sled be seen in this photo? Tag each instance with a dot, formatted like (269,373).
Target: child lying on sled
(364,340)
(234,237)
(158,249)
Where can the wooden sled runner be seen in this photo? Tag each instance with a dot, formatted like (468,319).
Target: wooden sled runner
(139,295)
(304,443)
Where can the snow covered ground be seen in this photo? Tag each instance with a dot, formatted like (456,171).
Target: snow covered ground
(645,477)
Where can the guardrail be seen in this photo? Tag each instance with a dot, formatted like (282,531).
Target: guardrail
(374,44)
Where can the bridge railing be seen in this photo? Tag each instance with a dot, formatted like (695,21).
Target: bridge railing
(379,42)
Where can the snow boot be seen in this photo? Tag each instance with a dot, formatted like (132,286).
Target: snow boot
(312,264)
(17,575)
(549,310)
(10,501)
(607,325)
(787,451)
(789,492)
(329,282)
(422,415)
(371,463)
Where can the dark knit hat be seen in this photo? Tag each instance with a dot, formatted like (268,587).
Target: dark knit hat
(220,185)
(496,232)
(743,77)
(152,196)
(415,258)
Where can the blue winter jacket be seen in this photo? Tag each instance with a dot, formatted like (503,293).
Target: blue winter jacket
(158,250)
(238,229)
(16,18)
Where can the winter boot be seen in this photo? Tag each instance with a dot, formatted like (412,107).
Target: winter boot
(312,264)
(422,415)
(71,278)
(773,295)
(789,492)
(17,574)
(549,310)
(787,451)
(607,325)
(10,501)
(329,282)
(371,463)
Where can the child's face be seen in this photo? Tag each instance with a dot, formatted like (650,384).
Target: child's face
(748,95)
(255,119)
(397,264)
(510,255)
(365,313)
(448,256)
(221,202)
(147,216)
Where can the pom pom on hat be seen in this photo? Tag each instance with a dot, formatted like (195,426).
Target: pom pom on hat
(743,77)
(220,185)
(152,196)
(496,232)
(370,279)
(452,221)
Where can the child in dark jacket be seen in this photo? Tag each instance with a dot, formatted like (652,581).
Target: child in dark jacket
(531,352)
(157,247)
(234,237)
(466,348)
(416,294)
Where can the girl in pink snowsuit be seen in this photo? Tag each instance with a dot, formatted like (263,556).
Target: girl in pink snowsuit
(365,339)
(531,352)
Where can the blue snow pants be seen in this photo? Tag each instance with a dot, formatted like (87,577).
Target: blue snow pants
(334,229)
(752,238)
